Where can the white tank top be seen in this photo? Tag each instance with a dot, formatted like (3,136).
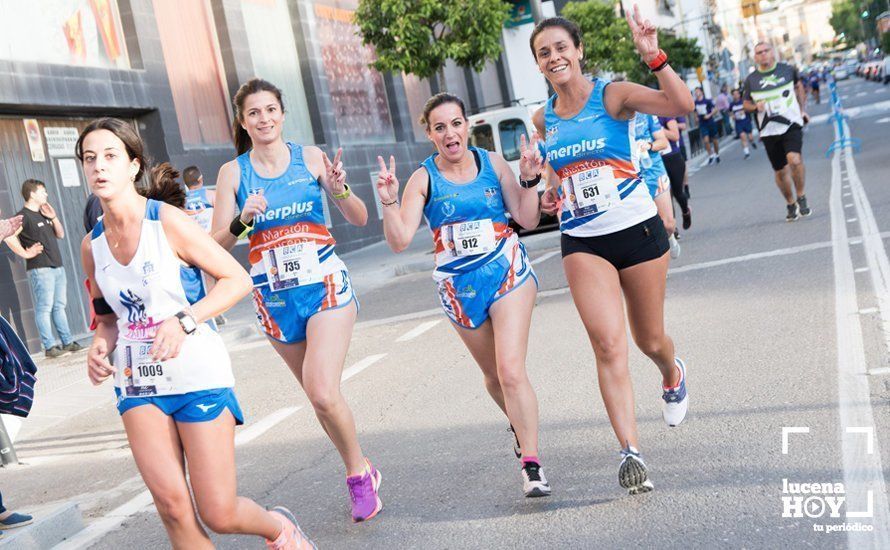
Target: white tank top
(143,294)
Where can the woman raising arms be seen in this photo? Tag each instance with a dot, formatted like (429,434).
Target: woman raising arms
(614,245)
(486,284)
(302,293)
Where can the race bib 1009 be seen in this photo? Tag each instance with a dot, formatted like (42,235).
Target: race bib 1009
(142,376)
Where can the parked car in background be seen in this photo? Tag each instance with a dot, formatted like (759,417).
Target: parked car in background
(840,73)
(500,130)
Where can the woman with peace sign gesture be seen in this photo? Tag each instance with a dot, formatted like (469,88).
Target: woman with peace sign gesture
(613,241)
(302,292)
(483,274)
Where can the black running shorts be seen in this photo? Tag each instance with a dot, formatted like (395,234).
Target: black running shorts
(777,147)
(639,243)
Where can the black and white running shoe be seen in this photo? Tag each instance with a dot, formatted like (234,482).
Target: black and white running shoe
(632,472)
(793,214)
(534,484)
(802,207)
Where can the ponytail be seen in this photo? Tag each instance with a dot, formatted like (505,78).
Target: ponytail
(241,138)
(164,187)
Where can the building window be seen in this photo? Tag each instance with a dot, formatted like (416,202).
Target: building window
(357,92)
(194,68)
(65,32)
(273,51)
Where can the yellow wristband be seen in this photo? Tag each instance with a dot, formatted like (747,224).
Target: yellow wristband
(345,194)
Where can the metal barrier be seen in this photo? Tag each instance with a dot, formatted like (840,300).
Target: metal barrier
(838,117)
(7,451)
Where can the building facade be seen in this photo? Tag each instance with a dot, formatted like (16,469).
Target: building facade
(171,68)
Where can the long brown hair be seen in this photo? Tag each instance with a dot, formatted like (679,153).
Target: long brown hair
(252,86)
(164,187)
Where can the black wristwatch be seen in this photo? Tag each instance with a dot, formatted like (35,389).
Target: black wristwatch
(187,322)
(530,184)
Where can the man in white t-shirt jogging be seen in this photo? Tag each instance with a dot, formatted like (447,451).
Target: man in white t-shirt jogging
(775,93)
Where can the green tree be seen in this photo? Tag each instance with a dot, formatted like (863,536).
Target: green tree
(419,36)
(847,18)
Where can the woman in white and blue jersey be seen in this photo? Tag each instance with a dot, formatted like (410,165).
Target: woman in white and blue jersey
(172,373)
(614,245)
(651,141)
(303,296)
(485,281)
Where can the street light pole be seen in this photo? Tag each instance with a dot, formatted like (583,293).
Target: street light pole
(537,11)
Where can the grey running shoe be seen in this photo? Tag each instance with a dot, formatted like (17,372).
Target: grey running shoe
(534,484)
(802,207)
(632,472)
(73,347)
(793,214)
(56,352)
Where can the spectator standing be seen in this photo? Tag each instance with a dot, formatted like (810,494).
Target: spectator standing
(38,244)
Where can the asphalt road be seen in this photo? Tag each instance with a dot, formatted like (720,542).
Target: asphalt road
(759,309)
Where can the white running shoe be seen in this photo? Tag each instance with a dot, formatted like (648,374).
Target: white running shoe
(675,246)
(534,484)
(632,472)
(676,400)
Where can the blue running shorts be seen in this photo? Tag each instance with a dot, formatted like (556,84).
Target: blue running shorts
(196,406)
(285,314)
(467,297)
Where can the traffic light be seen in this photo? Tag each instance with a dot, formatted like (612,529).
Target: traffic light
(750,8)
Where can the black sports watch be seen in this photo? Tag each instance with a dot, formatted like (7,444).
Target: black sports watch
(187,322)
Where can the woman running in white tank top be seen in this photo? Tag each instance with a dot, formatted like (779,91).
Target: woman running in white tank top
(171,371)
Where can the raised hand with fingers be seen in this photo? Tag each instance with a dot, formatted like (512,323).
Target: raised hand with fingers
(387,183)
(254,204)
(645,35)
(334,173)
(531,162)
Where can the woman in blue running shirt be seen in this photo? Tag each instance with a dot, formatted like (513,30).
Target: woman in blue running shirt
(302,294)
(485,281)
(613,243)
(172,373)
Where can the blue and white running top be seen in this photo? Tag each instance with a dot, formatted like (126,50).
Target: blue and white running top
(596,160)
(143,294)
(198,206)
(290,245)
(655,175)
(468,220)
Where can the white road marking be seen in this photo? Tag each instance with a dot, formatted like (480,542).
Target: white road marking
(418,330)
(143,502)
(860,94)
(882,370)
(361,365)
(863,473)
(848,205)
(851,220)
(860,270)
(883,120)
(875,253)
(868,311)
(545,257)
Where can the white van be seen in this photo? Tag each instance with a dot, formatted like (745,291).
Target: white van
(500,130)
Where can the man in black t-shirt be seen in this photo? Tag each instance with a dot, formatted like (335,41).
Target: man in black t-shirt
(775,94)
(37,242)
